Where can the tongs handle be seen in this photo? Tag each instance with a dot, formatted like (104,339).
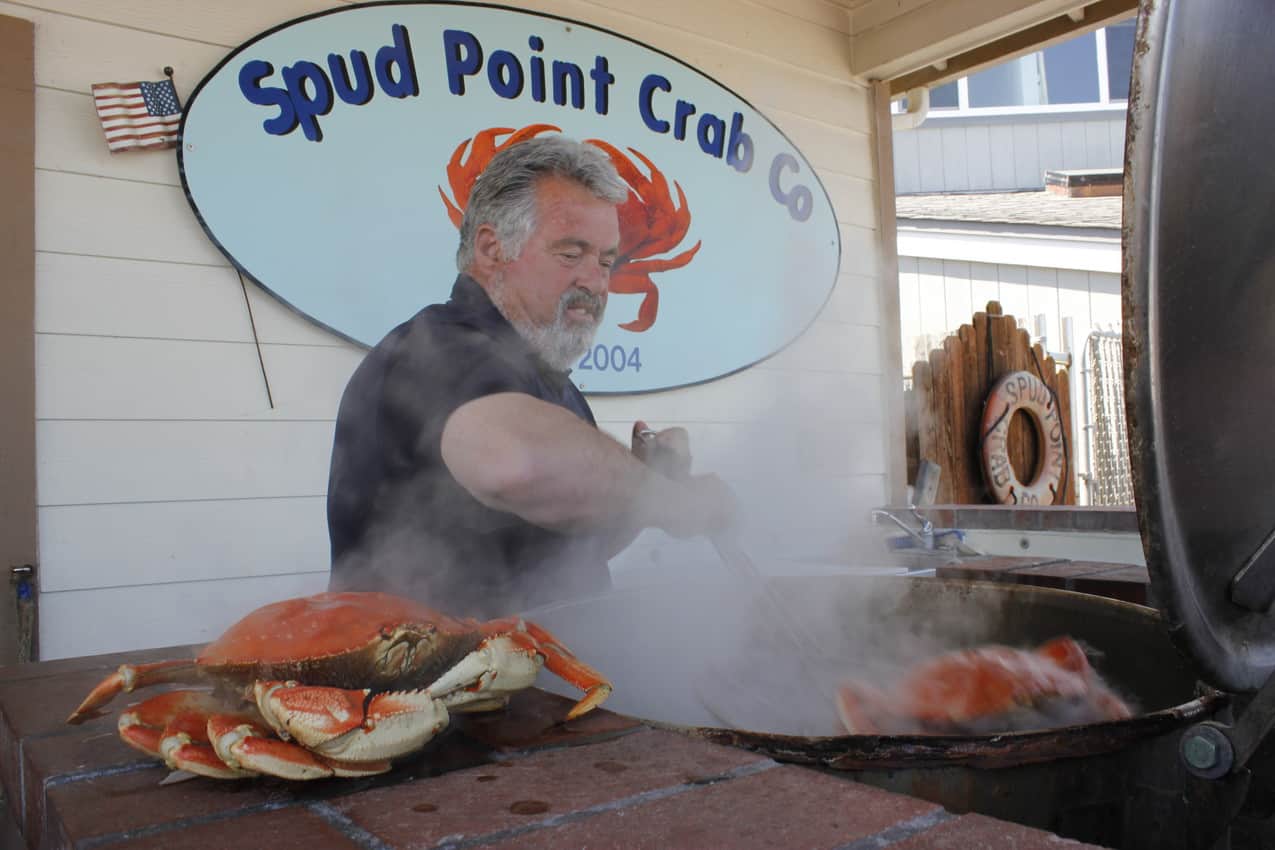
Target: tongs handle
(738,561)
(734,557)
(743,566)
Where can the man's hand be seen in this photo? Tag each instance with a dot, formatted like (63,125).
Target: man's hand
(689,504)
(668,452)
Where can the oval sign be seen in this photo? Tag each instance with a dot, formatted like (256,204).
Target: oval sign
(330,159)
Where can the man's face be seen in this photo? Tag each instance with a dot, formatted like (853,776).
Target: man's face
(555,292)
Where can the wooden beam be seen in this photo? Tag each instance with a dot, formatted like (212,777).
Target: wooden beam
(894,37)
(1025,41)
(896,472)
(17,318)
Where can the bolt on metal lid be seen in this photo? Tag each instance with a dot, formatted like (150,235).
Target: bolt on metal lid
(1199,327)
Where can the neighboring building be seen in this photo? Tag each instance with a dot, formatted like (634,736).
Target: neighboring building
(1002,128)
(975,223)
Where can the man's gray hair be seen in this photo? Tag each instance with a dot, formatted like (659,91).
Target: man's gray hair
(504,195)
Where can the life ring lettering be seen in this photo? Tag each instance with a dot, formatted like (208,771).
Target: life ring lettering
(1012,393)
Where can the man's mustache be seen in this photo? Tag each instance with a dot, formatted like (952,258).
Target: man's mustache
(583,299)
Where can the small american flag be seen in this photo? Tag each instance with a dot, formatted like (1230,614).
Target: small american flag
(138,115)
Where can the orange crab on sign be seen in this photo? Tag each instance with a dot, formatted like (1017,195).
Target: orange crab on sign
(651,222)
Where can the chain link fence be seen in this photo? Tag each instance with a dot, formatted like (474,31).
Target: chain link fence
(1108,479)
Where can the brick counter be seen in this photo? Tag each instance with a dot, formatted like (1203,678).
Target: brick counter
(516,779)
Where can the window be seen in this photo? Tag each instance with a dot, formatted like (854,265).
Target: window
(1017,82)
(944,97)
(1071,71)
(1120,58)
(1092,69)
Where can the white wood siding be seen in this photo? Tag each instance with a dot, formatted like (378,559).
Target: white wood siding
(173,498)
(938,296)
(970,154)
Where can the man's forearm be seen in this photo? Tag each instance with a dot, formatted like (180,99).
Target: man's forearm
(518,454)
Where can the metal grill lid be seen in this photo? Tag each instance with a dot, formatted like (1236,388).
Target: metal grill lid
(1199,326)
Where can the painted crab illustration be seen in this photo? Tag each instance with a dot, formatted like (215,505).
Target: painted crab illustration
(337,684)
(651,222)
(984,690)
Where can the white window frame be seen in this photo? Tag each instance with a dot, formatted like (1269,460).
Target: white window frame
(1104,103)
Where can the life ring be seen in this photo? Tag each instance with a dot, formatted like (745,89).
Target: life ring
(1012,393)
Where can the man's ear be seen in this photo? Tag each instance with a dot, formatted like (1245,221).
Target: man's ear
(488,252)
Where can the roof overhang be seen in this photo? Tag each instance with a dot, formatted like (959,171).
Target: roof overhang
(921,43)
(1079,249)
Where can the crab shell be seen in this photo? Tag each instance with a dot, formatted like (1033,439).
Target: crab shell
(333,684)
(342,640)
(990,688)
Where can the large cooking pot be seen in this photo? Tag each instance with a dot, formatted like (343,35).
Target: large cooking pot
(708,660)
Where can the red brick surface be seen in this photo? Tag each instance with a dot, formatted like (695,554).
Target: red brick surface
(486,799)
(975,831)
(537,718)
(286,829)
(130,801)
(517,778)
(785,807)
(63,756)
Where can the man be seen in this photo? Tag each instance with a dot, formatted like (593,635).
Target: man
(467,470)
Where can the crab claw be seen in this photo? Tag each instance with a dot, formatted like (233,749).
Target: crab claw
(347,726)
(485,678)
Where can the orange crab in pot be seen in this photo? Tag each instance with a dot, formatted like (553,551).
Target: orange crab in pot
(337,684)
(984,690)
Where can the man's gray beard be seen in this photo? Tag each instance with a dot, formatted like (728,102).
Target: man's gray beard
(559,344)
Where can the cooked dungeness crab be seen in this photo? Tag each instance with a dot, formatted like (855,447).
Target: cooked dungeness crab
(985,690)
(337,684)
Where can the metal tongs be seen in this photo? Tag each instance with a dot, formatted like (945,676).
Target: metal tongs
(774,610)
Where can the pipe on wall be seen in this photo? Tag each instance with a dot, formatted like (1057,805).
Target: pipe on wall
(918,110)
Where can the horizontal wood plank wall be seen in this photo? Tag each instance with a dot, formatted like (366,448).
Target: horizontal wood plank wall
(172,497)
(937,296)
(969,155)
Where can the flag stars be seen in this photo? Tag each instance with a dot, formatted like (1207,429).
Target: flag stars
(161,98)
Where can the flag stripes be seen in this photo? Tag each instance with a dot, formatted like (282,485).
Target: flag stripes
(138,115)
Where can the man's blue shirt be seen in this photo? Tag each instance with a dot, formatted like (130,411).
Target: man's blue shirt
(397,519)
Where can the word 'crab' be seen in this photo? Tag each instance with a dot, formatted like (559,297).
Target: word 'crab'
(337,684)
(984,690)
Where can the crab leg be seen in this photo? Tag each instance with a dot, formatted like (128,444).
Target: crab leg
(1067,654)
(859,706)
(348,728)
(562,662)
(128,678)
(172,727)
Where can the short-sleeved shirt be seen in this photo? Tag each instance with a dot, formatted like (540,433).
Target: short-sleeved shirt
(397,519)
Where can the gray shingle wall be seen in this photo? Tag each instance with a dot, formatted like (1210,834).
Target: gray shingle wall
(947,154)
